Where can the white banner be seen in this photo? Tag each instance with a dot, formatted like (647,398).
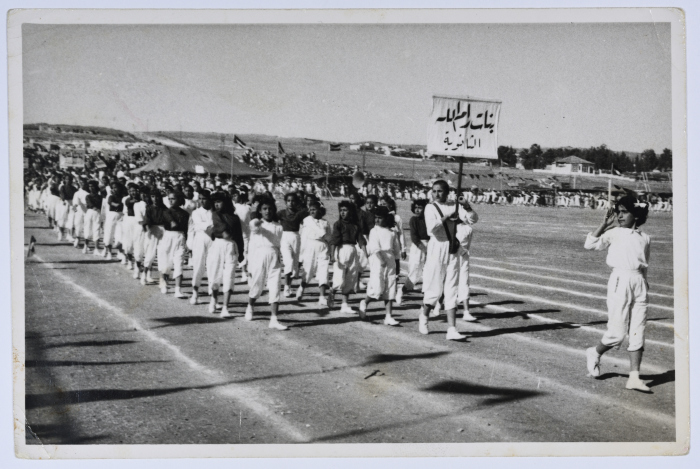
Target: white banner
(464,126)
(72,161)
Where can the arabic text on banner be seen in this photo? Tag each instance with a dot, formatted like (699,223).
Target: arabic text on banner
(466,127)
(75,161)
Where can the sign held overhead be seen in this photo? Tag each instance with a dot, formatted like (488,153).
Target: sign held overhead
(464,126)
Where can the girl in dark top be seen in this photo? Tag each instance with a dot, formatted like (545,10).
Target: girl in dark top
(419,245)
(91,222)
(153,226)
(171,248)
(226,250)
(113,217)
(291,219)
(346,239)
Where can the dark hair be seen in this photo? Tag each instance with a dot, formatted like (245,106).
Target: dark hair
(357,199)
(372,197)
(389,202)
(640,211)
(295,198)
(352,211)
(266,201)
(442,183)
(385,214)
(179,197)
(243,196)
(319,206)
(418,203)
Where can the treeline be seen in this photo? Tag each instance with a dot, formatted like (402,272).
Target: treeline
(603,158)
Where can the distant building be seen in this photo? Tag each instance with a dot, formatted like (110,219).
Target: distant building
(572,164)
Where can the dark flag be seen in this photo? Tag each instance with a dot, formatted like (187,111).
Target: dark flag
(616,171)
(334,147)
(240,143)
(280,150)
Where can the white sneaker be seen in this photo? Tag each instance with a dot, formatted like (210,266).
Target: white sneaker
(136,274)
(128,265)
(59,236)
(109,256)
(593,361)
(468,317)
(452,334)
(300,293)
(143,278)
(363,309)
(346,309)
(85,249)
(274,324)
(225,313)
(389,321)
(399,297)
(96,252)
(248,313)
(287,292)
(322,302)
(105,252)
(179,294)
(633,382)
(423,324)
(70,238)
(435,312)
(212,306)
(149,277)
(123,258)
(193,298)
(163,286)
(75,242)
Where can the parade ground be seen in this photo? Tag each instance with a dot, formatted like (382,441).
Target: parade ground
(109,361)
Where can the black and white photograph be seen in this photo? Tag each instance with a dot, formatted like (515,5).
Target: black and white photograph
(349,233)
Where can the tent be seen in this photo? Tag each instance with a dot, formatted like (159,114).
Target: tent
(189,159)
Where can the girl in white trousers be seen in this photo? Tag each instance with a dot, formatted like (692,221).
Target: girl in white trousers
(316,258)
(264,263)
(383,250)
(628,255)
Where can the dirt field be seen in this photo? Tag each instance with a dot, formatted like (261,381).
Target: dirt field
(110,361)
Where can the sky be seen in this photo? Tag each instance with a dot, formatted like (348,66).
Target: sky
(577,85)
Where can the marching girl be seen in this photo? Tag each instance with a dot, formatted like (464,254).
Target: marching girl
(171,248)
(199,241)
(419,246)
(441,271)
(383,251)
(291,219)
(113,217)
(138,234)
(264,266)
(464,237)
(64,212)
(388,202)
(225,251)
(130,226)
(91,222)
(346,240)
(79,206)
(316,259)
(243,211)
(52,200)
(628,255)
(153,223)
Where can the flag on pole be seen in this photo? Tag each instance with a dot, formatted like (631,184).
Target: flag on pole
(280,150)
(615,171)
(240,143)
(334,147)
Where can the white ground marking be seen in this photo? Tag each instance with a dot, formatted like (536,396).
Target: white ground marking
(557,289)
(538,299)
(552,269)
(250,397)
(558,279)
(556,321)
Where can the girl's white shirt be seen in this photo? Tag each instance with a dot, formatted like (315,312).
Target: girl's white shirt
(433,220)
(264,235)
(315,229)
(384,242)
(628,248)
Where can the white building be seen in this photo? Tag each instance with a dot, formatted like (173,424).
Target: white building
(571,164)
